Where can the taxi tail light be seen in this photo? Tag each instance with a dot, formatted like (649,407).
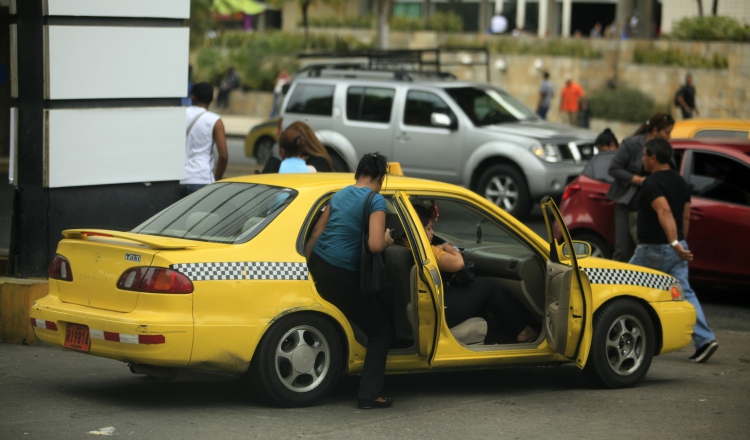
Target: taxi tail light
(571,190)
(59,269)
(154,280)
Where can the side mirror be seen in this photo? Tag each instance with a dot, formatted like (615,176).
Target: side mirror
(581,248)
(440,120)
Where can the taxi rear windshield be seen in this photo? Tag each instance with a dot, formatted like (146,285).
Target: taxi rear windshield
(220,213)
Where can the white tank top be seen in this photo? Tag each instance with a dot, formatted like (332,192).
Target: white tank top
(199,146)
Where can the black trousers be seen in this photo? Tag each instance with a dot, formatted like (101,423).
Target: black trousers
(371,314)
(624,244)
(462,303)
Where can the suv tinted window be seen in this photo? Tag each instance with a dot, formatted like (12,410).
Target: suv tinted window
(489,106)
(421,105)
(369,104)
(720,178)
(311,99)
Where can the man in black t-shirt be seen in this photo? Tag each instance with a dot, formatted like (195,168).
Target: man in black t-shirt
(663,221)
(685,98)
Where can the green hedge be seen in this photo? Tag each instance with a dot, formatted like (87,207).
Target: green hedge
(439,22)
(523,46)
(710,29)
(258,57)
(677,57)
(624,104)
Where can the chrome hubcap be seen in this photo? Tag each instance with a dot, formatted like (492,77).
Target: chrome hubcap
(302,358)
(626,345)
(502,191)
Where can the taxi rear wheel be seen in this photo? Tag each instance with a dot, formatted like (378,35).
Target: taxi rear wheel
(622,346)
(298,361)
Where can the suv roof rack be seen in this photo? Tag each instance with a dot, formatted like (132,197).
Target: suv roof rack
(403,64)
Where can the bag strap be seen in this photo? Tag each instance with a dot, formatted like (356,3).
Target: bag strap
(366,220)
(195,119)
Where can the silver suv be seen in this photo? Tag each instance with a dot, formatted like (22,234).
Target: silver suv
(471,134)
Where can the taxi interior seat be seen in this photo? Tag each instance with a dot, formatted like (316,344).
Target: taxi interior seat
(399,262)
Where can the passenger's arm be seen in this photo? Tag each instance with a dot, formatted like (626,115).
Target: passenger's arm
(318,229)
(380,237)
(618,168)
(452,261)
(220,138)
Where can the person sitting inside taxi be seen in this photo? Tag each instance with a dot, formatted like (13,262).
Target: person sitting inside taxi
(468,301)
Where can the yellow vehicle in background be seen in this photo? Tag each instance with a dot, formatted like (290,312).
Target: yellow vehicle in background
(260,140)
(712,128)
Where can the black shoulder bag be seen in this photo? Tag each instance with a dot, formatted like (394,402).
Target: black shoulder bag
(372,276)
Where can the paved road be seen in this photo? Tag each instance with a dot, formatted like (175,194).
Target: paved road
(48,393)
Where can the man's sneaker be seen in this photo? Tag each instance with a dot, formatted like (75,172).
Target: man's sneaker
(703,353)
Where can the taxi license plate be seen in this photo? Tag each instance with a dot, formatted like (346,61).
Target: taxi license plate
(77,337)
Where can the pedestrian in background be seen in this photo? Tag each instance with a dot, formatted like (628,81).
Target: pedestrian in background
(627,170)
(663,222)
(278,91)
(204,129)
(229,82)
(311,150)
(546,92)
(685,98)
(570,102)
(596,31)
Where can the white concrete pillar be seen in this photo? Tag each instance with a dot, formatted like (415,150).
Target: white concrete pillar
(499,6)
(521,14)
(543,16)
(566,17)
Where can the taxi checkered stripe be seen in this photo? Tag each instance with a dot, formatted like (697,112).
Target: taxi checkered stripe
(243,270)
(632,277)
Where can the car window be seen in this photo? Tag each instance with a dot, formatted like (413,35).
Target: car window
(486,106)
(722,134)
(220,213)
(369,104)
(311,99)
(421,105)
(720,178)
(598,167)
(465,226)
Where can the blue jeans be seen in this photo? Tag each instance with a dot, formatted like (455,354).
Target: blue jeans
(542,111)
(662,257)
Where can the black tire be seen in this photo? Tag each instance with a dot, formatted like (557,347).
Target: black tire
(297,361)
(264,149)
(505,186)
(623,345)
(599,246)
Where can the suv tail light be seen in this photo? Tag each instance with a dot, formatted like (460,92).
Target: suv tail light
(571,190)
(59,269)
(154,280)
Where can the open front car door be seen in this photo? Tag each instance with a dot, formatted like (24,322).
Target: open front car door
(568,305)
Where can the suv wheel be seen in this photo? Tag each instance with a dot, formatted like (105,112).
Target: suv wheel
(506,187)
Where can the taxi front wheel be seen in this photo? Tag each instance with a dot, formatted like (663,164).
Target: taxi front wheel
(622,346)
(297,361)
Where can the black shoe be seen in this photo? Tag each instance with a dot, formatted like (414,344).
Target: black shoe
(373,404)
(704,352)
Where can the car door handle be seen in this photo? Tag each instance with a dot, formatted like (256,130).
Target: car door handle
(696,213)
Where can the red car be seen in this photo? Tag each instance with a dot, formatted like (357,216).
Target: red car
(718,172)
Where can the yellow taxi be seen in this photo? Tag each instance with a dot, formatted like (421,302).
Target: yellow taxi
(218,283)
(259,141)
(712,128)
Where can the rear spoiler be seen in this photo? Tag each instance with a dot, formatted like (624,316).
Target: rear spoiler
(150,241)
